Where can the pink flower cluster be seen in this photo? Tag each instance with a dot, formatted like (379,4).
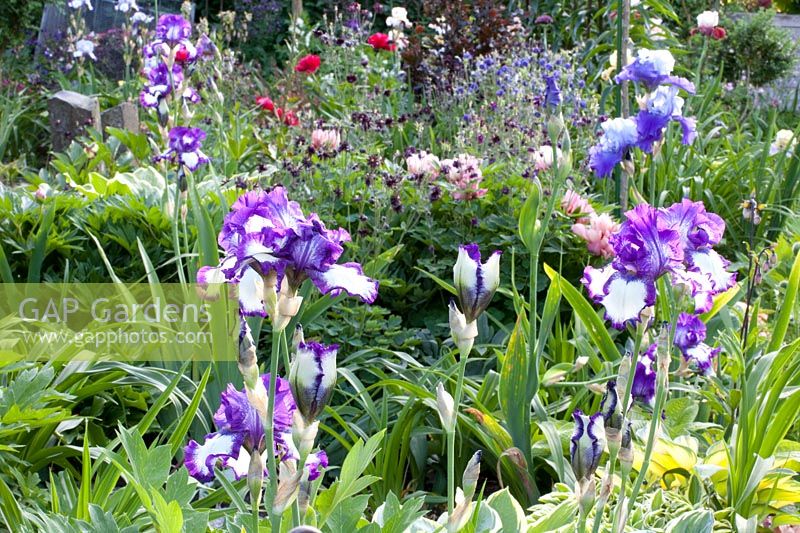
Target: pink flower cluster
(423,165)
(464,173)
(595,229)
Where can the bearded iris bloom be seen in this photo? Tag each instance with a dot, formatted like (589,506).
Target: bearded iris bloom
(690,332)
(172,29)
(475,282)
(619,135)
(663,105)
(240,433)
(185,146)
(267,238)
(652,68)
(651,243)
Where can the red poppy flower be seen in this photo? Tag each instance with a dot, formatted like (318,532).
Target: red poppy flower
(290,119)
(265,102)
(308,64)
(381,41)
(719,33)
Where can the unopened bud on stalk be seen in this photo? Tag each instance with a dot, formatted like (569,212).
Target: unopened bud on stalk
(628,167)
(303,434)
(270,291)
(298,337)
(288,306)
(288,486)
(586,494)
(258,398)
(626,450)
(664,356)
(255,476)
(469,480)
(446,408)
(303,498)
(462,332)
(248,361)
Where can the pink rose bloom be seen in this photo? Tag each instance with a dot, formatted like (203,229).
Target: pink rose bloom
(464,173)
(328,140)
(596,233)
(423,164)
(574,204)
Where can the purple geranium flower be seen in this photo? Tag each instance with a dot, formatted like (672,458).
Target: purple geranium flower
(652,68)
(663,105)
(267,234)
(185,146)
(239,433)
(173,29)
(619,135)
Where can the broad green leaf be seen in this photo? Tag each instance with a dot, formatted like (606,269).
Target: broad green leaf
(508,509)
(695,521)
(562,515)
(514,400)
(786,308)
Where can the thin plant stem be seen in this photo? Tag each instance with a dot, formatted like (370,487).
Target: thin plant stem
(176,242)
(601,502)
(255,501)
(272,468)
(451,436)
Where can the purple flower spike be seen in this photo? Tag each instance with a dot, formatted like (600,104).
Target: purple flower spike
(313,377)
(586,444)
(475,282)
(652,68)
(173,29)
(552,95)
(644,378)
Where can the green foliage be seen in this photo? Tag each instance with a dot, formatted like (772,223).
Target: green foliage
(755,50)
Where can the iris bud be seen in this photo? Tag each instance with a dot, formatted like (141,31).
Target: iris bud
(469,481)
(475,282)
(248,361)
(463,332)
(445,407)
(587,444)
(312,377)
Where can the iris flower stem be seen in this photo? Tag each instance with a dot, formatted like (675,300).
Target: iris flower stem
(581,523)
(255,500)
(651,437)
(176,242)
(451,436)
(451,474)
(601,502)
(272,468)
(637,346)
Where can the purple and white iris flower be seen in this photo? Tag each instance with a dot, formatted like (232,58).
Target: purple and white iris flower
(240,432)
(173,29)
(653,242)
(475,285)
(185,146)
(619,135)
(690,332)
(643,387)
(662,106)
(159,83)
(652,68)
(475,282)
(313,377)
(268,240)
(586,444)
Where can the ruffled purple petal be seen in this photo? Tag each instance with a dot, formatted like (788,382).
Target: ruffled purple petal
(689,332)
(316,463)
(200,459)
(712,264)
(643,388)
(348,277)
